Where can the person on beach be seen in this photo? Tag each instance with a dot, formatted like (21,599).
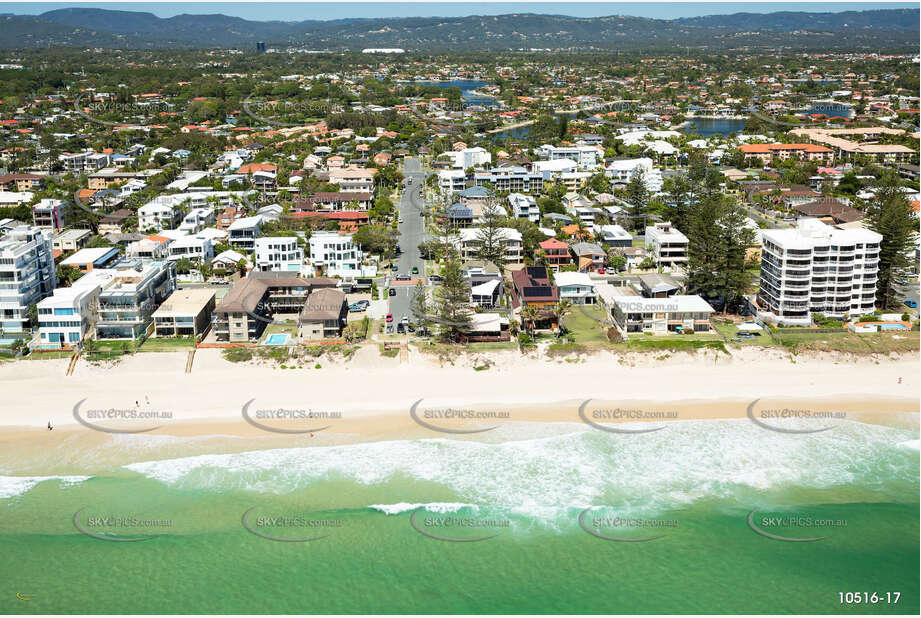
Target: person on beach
(50,428)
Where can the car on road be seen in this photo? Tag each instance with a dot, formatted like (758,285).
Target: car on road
(911,303)
(409,180)
(415,270)
(403,277)
(436,278)
(389,318)
(393,291)
(401,220)
(394,268)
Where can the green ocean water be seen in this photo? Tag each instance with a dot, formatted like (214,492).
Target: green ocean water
(531,487)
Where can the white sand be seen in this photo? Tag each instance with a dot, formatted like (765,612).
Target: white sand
(35,392)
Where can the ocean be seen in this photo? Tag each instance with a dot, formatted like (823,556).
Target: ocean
(710,516)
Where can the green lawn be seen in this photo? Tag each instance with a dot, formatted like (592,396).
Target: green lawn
(587,325)
(166,344)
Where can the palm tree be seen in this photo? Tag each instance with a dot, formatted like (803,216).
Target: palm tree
(563,307)
(529,315)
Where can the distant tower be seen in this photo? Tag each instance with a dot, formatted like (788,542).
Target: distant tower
(260,47)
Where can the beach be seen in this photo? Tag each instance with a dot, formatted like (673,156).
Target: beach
(391,503)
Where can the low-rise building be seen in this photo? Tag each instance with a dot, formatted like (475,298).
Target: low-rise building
(88,259)
(666,245)
(662,316)
(280,253)
(323,316)
(48,214)
(71,240)
(577,288)
(185,313)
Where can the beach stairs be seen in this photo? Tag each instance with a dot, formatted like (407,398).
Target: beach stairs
(190,360)
(73,361)
(404,352)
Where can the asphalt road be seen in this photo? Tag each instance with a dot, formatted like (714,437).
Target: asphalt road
(412,233)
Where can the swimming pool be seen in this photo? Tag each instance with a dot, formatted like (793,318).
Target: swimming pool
(276,339)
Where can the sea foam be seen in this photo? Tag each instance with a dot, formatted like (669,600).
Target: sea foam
(11,486)
(683,463)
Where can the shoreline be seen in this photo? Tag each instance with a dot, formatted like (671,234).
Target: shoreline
(367,387)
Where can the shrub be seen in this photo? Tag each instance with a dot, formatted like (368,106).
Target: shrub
(237,355)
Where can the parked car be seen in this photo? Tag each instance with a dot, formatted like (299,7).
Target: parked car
(601,271)
(436,278)
(394,268)
(357,307)
(393,291)
(911,303)
(389,318)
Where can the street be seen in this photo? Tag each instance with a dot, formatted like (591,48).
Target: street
(412,233)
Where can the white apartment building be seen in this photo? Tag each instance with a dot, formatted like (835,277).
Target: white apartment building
(470,239)
(67,317)
(195,248)
(26,274)
(622,171)
(586,157)
(816,268)
(197,219)
(469,157)
(667,247)
(244,231)
(165,212)
(452,181)
(279,253)
(524,207)
(161,213)
(336,254)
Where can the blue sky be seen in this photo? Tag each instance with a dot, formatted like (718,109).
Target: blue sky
(298,11)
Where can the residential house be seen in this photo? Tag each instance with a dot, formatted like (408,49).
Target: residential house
(555,253)
(71,240)
(323,316)
(589,256)
(531,287)
(577,288)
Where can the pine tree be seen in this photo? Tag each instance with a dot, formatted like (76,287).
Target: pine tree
(889,214)
(492,237)
(717,242)
(453,300)
(637,198)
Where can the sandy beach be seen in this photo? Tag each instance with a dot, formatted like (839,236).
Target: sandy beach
(371,396)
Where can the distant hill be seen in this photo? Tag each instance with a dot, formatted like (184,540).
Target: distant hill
(898,19)
(852,30)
